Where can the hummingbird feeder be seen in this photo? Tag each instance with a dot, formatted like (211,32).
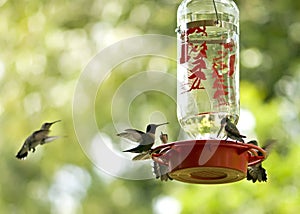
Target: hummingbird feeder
(207,92)
(207,161)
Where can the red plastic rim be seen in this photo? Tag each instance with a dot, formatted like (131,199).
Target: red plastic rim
(208,161)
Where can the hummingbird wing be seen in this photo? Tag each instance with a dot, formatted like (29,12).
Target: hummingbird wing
(132,134)
(39,135)
(49,139)
(269,145)
(232,129)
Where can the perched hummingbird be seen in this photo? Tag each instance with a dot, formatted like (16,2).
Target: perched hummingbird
(145,140)
(159,170)
(163,138)
(231,130)
(257,172)
(147,155)
(37,137)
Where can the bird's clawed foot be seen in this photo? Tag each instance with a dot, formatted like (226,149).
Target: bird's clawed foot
(31,149)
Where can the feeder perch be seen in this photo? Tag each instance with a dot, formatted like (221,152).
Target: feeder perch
(207,161)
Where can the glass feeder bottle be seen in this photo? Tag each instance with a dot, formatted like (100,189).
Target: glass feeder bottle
(207,66)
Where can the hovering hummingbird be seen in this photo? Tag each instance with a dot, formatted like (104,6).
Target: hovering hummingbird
(145,140)
(231,130)
(38,137)
(257,172)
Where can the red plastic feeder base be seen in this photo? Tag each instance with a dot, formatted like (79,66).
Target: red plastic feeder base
(207,161)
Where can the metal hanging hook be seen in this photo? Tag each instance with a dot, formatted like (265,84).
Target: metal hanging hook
(217,16)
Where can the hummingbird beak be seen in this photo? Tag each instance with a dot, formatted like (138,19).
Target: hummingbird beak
(55,122)
(152,127)
(220,130)
(162,124)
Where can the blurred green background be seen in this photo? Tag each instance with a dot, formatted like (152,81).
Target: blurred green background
(45,45)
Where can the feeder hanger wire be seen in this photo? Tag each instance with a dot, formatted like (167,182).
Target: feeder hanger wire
(217,16)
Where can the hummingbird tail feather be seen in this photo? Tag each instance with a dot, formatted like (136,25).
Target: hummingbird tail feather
(21,155)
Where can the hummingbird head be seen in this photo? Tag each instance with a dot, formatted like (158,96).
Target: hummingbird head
(254,142)
(163,137)
(151,128)
(46,126)
(224,121)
